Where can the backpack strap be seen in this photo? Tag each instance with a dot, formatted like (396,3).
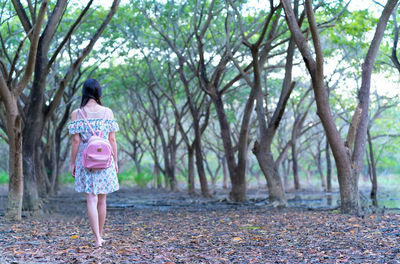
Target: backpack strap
(102,123)
(79,111)
(87,122)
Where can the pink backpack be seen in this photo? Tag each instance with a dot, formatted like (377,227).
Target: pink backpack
(98,151)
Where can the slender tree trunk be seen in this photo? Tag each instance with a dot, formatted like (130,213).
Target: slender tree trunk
(328,167)
(319,167)
(43,180)
(199,158)
(238,188)
(374,179)
(262,150)
(54,170)
(285,170)
(137,165)
(194,111)
(156,172)
(225,173)
(191,183)
(57,150)
(296,180)
(172,177)
(169,169)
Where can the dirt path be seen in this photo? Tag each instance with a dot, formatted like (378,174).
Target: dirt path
(146,226)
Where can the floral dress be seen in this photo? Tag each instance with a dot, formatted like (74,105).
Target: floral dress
(96,181)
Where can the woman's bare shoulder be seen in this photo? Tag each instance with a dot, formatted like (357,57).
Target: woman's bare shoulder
(109,112)
(74,114)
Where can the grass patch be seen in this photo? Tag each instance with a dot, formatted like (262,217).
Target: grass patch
(66,178)
(131,176)
(3,177)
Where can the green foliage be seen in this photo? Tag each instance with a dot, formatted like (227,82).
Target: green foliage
(130,176)
(66,178)
(136,68)
(3,177)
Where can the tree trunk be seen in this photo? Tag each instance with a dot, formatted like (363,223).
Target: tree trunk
(238,185)
(34,116)
(285,170)
(296,180)
(31,199)
(199,157)
(43,181)
(57,150)
(374,179)
(262,150)
(321,173)
(191,183)
(15,185)
(137,164)
(169,169)
(195,112)
(225,173)
(274,183)
(10,97)
(328,167)
(156,172)
(172,176)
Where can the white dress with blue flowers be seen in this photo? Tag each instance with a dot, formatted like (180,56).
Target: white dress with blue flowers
(96,181)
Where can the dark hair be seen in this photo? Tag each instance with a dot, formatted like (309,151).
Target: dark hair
(91,90)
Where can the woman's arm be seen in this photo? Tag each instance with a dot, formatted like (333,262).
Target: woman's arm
(113,143)
(76,140)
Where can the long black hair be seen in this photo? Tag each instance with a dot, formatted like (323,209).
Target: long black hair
(91,90)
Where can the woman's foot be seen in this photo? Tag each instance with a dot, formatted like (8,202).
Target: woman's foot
(98,243)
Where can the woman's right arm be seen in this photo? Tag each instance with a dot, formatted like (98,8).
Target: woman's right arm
(113,143)
(76,140)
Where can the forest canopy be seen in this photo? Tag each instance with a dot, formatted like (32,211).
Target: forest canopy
(283,95)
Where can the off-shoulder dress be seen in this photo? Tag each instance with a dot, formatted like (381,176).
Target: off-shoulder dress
(96,181)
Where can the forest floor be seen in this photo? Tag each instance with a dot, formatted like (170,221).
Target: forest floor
(156,226)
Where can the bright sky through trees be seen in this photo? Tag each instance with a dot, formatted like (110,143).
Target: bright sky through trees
(385,85)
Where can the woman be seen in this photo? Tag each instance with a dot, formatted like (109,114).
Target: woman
(96,183)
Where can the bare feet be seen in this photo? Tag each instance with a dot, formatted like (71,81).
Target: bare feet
(98,243)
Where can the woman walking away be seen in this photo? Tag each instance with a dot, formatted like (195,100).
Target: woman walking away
(94,163)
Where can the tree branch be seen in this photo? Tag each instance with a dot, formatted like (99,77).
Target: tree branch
(23,17)
(33,49)
(75,66)
(68,35)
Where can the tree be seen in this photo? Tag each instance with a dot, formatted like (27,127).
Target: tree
(38,111)
(10,92)
(348,157)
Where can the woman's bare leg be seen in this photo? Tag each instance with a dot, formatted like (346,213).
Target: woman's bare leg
(93,214)
(102,211)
